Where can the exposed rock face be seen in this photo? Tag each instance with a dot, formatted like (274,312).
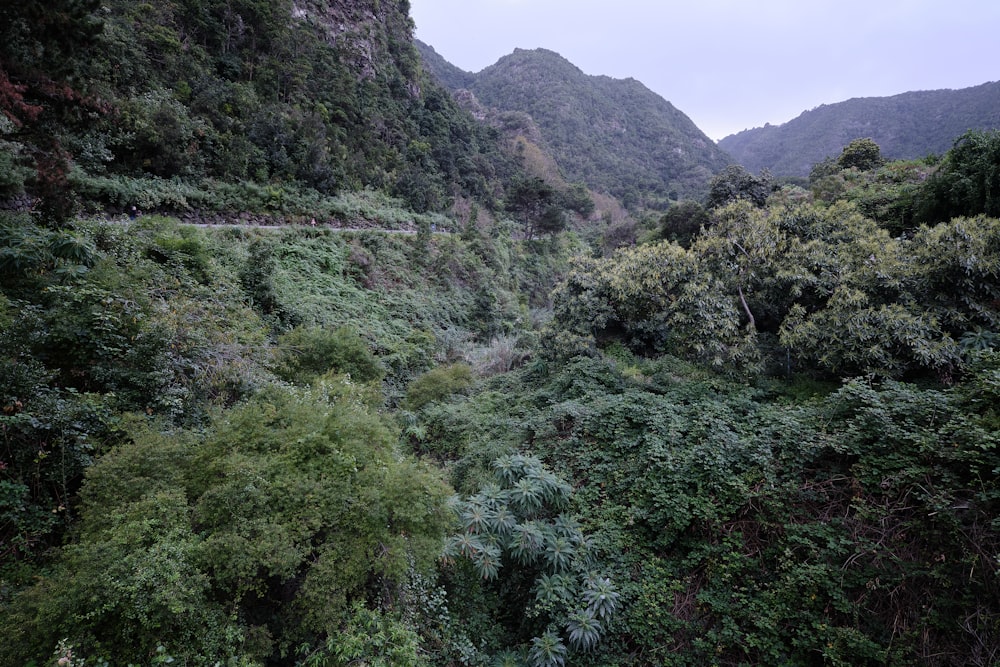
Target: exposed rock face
(366,33)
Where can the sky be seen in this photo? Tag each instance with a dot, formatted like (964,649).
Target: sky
(731,65)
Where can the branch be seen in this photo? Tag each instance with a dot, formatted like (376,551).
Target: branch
(746,308)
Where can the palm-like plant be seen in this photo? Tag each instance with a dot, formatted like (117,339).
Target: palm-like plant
(554,590)
(526,542)
(475,518)
(526,496)
(601,596)
(554,491)
(487,562)
(491,496)
(503,521)
(463,544)
(508,522)
(559,553)
(547,651)
(584,629)
(510,468)
(568,527)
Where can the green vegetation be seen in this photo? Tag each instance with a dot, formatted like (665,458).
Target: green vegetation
(846,526)
(200,428)
(249,539)
(164,102)
(967,182)
(768,435)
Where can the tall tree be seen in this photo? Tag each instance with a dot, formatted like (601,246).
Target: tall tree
(861,154)
(531,200)
(734,182)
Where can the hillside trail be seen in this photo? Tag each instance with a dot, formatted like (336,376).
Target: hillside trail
(123,220)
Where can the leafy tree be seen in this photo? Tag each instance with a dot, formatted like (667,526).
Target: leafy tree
(654,298)
(890,195)
(438,383)
(534,202)
(274,529)
(735,182)
(577,198)
(307,352)
(552,222)
(682,222)
(747,248)
(861,154)
(831,286)
(828,166)
(967,183)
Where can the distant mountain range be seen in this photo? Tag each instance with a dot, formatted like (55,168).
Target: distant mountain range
(906,126)
(614,135)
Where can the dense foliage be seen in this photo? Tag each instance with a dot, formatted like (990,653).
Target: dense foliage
(168,493)
(249,540)
(327,98)
(749,526)
(968,180)
(767,435)
(806,287)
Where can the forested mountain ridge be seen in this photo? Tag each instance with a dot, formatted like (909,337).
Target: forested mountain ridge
(614,135)
(906,126)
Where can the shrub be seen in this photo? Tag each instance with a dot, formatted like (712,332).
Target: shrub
(306,352)
(438,383)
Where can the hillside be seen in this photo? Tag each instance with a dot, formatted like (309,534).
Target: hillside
(907,126)
(614,135)
(156,105)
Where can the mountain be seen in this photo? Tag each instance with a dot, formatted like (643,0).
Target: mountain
(614,135)
(906,126)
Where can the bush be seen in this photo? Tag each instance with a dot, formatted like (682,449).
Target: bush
(306,352)
(438,383)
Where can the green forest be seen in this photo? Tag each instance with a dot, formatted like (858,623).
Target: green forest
(451,424)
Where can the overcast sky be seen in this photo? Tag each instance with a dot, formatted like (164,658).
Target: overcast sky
(731,65)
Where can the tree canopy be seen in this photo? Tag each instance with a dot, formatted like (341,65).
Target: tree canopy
(967,183)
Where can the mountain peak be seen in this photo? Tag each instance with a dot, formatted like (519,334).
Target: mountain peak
(615,135)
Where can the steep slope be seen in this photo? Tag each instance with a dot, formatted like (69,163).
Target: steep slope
(615,135)
(327,95)
(905,126)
